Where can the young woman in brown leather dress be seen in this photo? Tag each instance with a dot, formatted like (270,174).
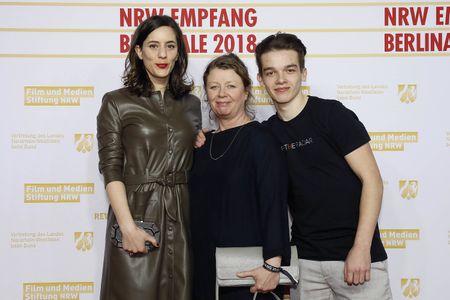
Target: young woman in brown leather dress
(145,135)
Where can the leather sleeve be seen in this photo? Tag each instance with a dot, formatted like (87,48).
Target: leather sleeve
(194,112)
(109,132)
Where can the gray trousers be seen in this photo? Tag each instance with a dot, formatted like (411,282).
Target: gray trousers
(324,280)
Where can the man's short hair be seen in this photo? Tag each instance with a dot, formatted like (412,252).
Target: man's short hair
(280,41)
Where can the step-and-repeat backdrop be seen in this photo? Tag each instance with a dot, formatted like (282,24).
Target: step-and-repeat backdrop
(387,61)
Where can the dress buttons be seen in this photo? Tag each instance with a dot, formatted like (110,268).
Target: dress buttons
(169,228)
(170,251)
(170,151)
(170,129)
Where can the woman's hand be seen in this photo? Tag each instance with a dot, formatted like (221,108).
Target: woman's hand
(134,238)
(265,281)
(200,139)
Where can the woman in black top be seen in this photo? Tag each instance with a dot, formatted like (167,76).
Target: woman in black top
(237,186)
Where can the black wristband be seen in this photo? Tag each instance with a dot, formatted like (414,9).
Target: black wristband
(274,269)
(271,268)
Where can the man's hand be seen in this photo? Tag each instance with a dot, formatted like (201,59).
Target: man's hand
(357,266)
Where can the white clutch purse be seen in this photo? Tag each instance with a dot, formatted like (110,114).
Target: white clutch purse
(232,260)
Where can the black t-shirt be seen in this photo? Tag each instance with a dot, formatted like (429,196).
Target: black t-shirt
(324,193)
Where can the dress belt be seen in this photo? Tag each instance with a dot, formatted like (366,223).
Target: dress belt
(169,179)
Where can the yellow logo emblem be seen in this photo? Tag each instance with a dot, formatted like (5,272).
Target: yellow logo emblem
(56,95)
(408,188)
(56,192)
(407,93)
(410,287)
(84,240)
(392,141)
(396,238)
(84,142)
(56,290)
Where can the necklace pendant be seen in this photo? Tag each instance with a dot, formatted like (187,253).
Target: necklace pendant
(227,148)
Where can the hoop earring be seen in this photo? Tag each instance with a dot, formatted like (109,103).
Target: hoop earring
(213,116)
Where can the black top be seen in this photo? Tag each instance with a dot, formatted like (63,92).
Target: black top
(324,191)
(237,200)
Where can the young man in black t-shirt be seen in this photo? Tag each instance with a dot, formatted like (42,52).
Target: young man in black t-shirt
(335,185)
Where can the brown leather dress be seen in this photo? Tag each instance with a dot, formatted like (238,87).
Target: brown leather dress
(147,143)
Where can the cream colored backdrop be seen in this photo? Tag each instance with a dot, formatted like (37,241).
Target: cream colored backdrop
(387,61)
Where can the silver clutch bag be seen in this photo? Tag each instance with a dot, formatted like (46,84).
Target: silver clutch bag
(232,260)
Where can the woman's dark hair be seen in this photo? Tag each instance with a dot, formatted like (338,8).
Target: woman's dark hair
(135,75)
(280,41)
(231,61)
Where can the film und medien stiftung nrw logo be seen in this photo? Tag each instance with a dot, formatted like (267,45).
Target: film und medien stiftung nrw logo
(84,241)
(84,142)
(392,141)
(409,189)
(396,238)
(56,192)
(410,287)
(56,95)
(407,93)
(56,290)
